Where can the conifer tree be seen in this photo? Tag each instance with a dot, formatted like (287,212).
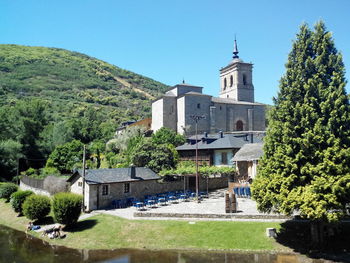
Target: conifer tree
(306,161)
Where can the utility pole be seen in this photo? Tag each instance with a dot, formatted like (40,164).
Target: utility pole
(84,163)
(196,118)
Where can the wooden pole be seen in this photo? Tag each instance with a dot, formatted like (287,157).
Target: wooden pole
(84,164)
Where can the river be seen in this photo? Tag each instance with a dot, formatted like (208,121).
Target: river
(16,246)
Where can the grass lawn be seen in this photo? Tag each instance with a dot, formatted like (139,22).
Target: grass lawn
(110,232)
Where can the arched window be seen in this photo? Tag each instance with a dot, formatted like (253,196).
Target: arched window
(225,83)
(231,81)
(244,79)
(239,125)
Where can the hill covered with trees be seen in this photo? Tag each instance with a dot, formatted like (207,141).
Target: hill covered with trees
(50,97)
(70,80)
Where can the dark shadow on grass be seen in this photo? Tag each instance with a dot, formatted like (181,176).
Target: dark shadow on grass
(296,234)
(81,226)
(48,220)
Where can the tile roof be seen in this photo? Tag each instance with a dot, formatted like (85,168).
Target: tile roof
(249,152)
(213,141)
(116,175)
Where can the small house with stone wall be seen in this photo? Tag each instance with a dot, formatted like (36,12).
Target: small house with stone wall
(246,160)
(102,186)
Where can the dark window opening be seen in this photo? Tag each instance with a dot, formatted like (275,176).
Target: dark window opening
(80,184)
(225,83)
(223,158)
(239,125)
(220,108)
(126,188)
(231,81)
(244,79)
(105,189)
(198,106)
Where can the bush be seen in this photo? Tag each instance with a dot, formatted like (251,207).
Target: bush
(67,207)
(7,189)
(17,199)
(36,207)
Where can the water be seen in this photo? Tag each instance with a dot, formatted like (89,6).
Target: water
(16,246)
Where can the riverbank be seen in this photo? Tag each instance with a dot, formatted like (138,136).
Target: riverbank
(111,232)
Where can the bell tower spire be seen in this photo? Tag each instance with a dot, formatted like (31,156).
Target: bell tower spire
(235,50)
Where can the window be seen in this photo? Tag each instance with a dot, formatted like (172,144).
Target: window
(220,108)
(172,109)
(80,184)
(126,188)
(227,96)
(239,125)
(198,106)
(231,81)
(105,189)
(225,83)
(244,79)
(223,158)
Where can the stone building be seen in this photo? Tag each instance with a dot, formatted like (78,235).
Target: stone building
(234,110)
(103,186)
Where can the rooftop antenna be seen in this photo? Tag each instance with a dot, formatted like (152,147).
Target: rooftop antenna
(235,49)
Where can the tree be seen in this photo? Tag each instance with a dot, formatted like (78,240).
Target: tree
(306,161)
(9,155)
(167,136)
(153,156)
(66,156)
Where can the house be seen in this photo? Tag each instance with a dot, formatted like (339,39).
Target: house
(234,110)
(102,186)
(216,149)
(246,160)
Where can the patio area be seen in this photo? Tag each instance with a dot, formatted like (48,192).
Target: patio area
(211,208)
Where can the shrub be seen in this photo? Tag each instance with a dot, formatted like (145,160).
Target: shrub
(18,198)
(67,207)
(7,189)
(36,207)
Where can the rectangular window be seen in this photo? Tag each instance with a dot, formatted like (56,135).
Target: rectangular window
(198,106)
(223,158)
(105,189)
(126,188)
(80,184)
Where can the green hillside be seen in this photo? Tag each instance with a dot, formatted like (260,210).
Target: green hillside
(71,81)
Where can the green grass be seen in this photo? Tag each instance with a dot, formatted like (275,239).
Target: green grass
(110,232)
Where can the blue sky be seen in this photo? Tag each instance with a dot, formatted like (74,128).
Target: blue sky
(172,40)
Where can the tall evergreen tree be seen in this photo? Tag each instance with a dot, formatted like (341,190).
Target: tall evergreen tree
(306,161)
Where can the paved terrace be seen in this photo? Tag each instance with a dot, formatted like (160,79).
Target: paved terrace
(212,208)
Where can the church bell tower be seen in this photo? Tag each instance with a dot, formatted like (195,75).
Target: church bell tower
(236,80)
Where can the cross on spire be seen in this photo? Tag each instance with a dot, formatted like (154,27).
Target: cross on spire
(235,49)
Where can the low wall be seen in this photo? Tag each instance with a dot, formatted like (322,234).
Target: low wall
(37,191)
(50,185)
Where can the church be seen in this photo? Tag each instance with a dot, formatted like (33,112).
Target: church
(235,110)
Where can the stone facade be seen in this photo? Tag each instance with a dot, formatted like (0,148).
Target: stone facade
(234,110)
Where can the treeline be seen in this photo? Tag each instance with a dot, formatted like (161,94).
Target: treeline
(29,133)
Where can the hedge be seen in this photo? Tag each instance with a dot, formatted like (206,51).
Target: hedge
(7,189)
(67,207)
(36,207)
(17,199)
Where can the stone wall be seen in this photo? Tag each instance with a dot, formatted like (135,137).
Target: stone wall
(37,191)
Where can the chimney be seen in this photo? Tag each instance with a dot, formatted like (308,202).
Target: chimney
(132,171)
(221,134)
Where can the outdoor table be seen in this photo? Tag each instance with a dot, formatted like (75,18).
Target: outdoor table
(151,202)
(172,198)
(162,200)
(139,205)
